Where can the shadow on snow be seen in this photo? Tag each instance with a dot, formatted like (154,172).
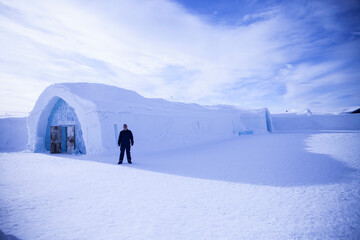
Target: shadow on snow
(274,160)
(7,237)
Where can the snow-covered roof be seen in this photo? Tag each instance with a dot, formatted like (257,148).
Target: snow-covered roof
(105,98)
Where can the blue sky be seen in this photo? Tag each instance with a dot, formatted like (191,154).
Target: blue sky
(282,55)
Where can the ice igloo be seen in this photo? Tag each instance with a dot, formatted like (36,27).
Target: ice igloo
(98,111)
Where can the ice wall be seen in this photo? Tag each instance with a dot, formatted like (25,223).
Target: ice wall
(13,134)
(63,115)
(157,124)
(155,132)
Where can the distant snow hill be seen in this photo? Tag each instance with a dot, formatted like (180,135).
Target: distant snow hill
(305,120)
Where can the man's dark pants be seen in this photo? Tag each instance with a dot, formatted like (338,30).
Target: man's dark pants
(124,147)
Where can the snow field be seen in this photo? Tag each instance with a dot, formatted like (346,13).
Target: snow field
(237,189)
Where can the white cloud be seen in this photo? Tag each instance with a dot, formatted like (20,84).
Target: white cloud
(154,47)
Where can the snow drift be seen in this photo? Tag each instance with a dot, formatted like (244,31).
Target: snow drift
(305,121)
(98,112)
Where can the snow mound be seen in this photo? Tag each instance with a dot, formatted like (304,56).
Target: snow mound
(305,111)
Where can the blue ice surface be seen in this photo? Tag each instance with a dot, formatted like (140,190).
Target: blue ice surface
(249,132)
(116,131)
(64,115)
(63,139)
(268,121)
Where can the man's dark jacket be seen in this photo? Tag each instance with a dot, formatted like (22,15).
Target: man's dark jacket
(125,138)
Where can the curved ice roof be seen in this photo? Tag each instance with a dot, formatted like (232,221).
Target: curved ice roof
(106,98)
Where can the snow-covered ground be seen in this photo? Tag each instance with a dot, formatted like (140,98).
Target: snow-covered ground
(273,186)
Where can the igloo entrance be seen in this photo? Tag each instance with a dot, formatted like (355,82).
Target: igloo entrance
(62,139)
(63,131)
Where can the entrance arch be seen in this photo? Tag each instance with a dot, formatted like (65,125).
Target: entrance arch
(81,108)
(63,115)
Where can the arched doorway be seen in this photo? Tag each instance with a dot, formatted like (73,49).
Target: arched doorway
(63,130)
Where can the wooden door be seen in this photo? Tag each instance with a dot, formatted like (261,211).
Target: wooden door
(55,139)
(70,139)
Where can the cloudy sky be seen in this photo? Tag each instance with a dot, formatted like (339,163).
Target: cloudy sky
(248,53)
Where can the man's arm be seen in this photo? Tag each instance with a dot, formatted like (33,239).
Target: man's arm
(119,140)
(131,138)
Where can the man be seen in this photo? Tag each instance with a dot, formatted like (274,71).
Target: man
(125,139)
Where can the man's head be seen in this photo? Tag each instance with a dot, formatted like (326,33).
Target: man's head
(125,127)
